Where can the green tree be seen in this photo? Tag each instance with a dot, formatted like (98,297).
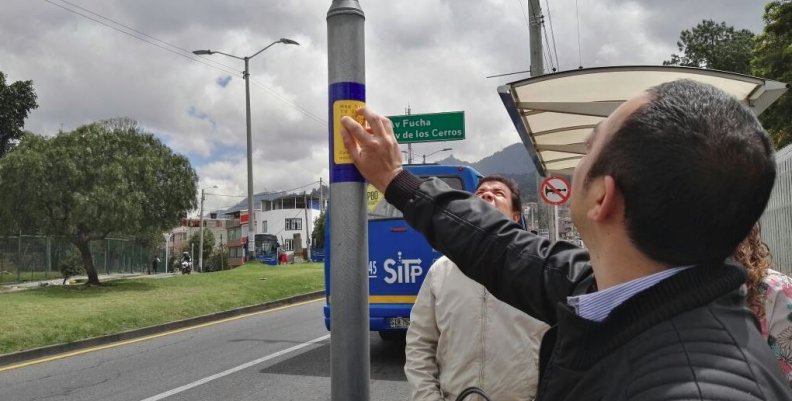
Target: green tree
(71,264)
(773,59)
(318,233)
(95,181)
(208,245)
(16,101)
(218,260)
(714,46)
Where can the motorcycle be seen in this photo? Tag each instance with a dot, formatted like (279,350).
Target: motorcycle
(186,267)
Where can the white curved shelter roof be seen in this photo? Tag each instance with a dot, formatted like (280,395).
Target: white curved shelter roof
(554,113)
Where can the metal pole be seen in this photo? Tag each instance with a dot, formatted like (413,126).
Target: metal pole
(107,247)
(200,241)
(222,253)
(555,222)
(307,234)
(49,257)
(321,196)
(167,253)
(535,38)
(409,144)
(251,232)
(19,257)
(349,319)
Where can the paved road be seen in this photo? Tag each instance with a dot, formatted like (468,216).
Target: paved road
(276,355)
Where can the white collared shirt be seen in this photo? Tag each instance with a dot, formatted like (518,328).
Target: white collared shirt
(598,305)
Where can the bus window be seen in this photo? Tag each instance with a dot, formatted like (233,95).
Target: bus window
(380,209)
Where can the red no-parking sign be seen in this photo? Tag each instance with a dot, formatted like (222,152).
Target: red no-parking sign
(555,190)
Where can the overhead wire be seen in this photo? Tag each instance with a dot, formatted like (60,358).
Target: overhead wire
(538,18)
(577,16)
(267,193)
(188,52)
(136,37)
(552,33)
(527,24)
(164,45)
(547,45)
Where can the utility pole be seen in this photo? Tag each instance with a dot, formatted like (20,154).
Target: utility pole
(409,144)
(200,241)
(535,32)
(350,364)
(321,196)
(537,69)
(307,235)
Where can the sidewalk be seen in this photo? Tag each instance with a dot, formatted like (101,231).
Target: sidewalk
(11,287)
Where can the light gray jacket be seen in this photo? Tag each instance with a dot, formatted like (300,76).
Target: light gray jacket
(462,336)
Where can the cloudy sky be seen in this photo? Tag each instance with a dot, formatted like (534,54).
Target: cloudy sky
(96,59)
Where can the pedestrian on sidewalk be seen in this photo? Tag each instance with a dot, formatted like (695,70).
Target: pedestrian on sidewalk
(154,264)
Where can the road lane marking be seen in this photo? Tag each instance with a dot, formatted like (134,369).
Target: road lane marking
(139,339)
(224,373)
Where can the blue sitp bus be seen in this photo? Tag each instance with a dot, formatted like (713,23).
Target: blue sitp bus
(267,249)
(399,257)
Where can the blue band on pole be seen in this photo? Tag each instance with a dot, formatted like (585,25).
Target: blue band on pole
(352,91)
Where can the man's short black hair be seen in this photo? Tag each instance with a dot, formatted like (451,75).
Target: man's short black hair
(695,168)
(511,184)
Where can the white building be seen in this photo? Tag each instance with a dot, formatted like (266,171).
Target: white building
(289,217)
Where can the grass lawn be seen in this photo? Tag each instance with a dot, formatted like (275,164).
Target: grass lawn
(53,315)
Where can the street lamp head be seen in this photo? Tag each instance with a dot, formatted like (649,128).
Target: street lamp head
(446,149)
(202,52)
(288,41)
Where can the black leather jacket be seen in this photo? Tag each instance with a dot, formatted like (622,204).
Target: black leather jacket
(687,337)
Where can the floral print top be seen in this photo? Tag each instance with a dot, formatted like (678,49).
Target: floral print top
(775,317)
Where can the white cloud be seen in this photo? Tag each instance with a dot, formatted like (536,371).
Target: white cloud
(432,55)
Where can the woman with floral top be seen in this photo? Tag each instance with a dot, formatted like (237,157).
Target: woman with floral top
(769,297)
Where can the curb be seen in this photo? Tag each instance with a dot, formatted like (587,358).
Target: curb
(49,350)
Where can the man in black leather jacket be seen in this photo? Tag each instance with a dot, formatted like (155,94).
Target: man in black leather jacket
(671,183)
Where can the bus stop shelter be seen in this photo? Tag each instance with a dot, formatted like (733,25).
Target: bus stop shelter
(554,113)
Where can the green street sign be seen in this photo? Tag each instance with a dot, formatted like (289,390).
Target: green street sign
(435,127)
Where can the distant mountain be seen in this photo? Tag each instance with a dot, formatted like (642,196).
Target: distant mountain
(513,162)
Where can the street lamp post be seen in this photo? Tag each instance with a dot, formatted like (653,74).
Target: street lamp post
(200,242)
(167,250)
(435,152)
(246,76)
(410,155)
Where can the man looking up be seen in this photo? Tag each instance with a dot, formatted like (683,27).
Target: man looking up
(672,181)
(461,336)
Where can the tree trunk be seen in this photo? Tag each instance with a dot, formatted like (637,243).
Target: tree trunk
(90,269)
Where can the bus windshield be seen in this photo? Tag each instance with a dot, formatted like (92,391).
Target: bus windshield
(380,209)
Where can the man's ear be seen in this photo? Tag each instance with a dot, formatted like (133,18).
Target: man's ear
(607,198)
(516,217)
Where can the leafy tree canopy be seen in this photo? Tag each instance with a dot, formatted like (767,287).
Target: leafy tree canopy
(16,101)
(195,243)
(715,46)
(102,178)
(773,59)
(318,233)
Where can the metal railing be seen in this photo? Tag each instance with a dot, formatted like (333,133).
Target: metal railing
(777,218)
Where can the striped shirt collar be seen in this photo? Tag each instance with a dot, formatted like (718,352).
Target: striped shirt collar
(598,305)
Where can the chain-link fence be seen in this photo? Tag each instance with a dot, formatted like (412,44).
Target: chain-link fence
(38,257)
